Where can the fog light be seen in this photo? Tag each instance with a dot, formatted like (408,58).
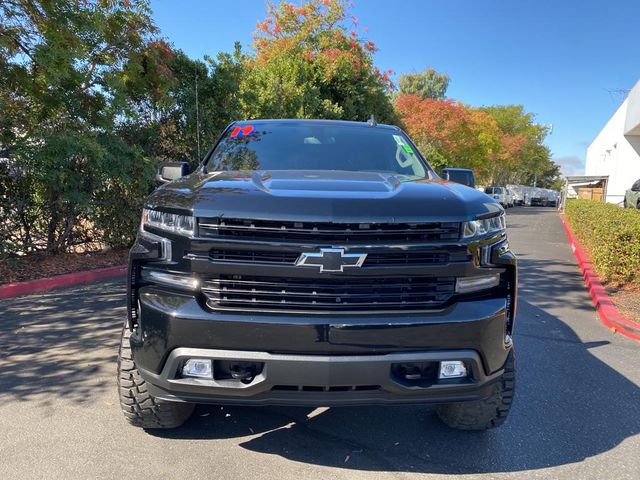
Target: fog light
(452,369)
(197,367)
(473,284)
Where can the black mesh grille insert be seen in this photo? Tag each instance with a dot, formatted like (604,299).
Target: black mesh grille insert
(317,295)
(327,231)
(254,256)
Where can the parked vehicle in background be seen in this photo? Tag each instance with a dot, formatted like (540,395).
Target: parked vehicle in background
(463,176)
(499,194)
(538,201)
(518,193)
(632,196)
(518,200)
(510,198)
(543,197)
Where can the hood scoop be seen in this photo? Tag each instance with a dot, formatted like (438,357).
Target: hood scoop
(326,183)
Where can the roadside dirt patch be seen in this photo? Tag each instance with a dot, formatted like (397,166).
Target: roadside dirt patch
(37,266)
(627,300)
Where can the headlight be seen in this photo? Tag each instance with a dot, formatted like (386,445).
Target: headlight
(479,228)
(171,222)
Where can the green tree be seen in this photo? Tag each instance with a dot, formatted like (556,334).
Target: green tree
(197,100)
(61,78)
(309,64)
(528,161)
(426,84)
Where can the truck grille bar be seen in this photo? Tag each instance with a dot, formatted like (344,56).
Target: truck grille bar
(327,231)
(334,294)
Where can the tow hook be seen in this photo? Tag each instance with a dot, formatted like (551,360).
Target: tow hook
(245,372)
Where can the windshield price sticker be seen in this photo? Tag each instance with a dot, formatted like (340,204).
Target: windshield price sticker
(242,131)
(401,143)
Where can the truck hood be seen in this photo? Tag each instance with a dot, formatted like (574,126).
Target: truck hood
(329,196)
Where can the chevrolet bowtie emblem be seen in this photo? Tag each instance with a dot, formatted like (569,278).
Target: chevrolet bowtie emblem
(331,260)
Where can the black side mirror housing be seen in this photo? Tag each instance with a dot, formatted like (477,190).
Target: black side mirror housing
(169,171)
(463,176)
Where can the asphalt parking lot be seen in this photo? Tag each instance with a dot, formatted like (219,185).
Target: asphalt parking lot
(575,415)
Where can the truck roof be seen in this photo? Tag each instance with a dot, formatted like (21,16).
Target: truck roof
(294,121)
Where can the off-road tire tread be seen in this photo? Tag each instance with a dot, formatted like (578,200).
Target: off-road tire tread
(140,408)
(483,414)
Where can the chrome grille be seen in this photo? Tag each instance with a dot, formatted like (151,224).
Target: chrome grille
(327,231)
(334,294)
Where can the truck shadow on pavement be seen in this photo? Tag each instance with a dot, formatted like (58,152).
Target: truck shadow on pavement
(61,344)
(551,284)
(569,406)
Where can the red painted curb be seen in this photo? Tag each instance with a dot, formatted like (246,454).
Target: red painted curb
(33,286)
(607,311)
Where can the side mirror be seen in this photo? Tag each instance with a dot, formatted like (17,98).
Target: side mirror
(168,171)
(444,175)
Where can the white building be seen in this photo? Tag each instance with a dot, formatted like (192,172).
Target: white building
(616,150)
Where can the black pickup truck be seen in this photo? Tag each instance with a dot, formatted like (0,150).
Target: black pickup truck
(318,263)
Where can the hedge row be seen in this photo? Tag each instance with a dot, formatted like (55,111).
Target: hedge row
(611,236)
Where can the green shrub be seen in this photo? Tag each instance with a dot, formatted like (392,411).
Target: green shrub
(611,236)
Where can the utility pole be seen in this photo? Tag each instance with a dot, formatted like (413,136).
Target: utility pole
(197,119)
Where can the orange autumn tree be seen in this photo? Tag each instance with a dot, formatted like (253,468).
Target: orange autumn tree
(311,62)
(508,160)
(451,134)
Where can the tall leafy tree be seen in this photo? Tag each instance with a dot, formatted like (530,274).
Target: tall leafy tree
(198,99)
(310,62)
(450,134)
(427,84)
(525,158)
(61,67)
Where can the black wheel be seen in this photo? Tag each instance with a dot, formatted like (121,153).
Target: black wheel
(140,408)
(624,204)
(484,414)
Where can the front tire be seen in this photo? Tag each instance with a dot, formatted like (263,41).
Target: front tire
(140,408)
(484,414)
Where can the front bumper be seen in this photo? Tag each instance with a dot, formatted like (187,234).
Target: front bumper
(344,360)
(320,380)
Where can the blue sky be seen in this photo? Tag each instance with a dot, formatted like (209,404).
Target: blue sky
(565,60)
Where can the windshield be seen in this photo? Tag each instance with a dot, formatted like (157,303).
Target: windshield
(316,146)
(495,190)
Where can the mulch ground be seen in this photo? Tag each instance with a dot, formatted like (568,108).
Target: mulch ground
(627,300)
(37,266)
